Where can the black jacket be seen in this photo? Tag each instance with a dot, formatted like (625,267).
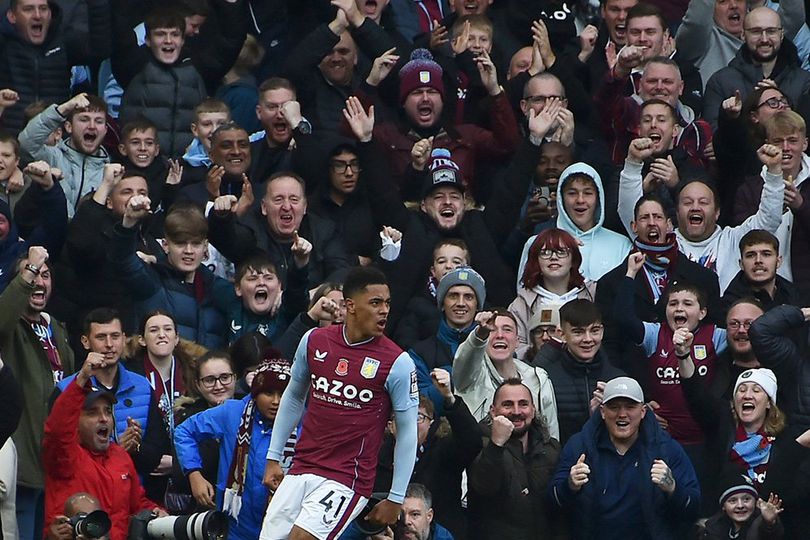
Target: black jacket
(440,461)
(86,278)
(574,383)
(42,72)
(771,340)
(166,95)
(213,52)
(352,220)
(237,240)
(507,487)
(785,293)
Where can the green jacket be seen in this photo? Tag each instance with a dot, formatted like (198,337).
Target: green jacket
(22,351)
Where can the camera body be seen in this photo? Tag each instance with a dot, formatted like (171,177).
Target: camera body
(96,524)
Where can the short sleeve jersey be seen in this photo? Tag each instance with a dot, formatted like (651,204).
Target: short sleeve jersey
(353,390)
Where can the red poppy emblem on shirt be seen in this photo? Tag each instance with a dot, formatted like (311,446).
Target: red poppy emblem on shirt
(342,367)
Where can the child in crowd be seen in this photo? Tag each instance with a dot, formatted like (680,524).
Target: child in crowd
(258,302)
(208,116)
(743,514)
(243,428)
(685,312)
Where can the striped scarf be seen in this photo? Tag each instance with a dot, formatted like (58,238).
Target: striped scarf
(232,502)
(751,452)
(660,257)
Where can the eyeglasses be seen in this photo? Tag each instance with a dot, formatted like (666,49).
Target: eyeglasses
(775,103)
(341,166)
(551,331)
(422,418)
(562,253)
(541,100)
(735,324)
(768,32)
(211,381)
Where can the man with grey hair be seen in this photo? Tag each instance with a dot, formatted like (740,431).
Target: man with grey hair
(417,522)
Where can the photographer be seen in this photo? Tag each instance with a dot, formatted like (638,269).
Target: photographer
(78,456)
(77,504)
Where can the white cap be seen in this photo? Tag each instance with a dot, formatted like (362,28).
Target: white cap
(625,387)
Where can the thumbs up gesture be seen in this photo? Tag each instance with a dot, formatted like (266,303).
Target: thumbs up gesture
(578,476)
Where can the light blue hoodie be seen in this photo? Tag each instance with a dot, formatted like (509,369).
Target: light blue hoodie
(602,250)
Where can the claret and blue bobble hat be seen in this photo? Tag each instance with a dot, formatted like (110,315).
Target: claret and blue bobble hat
(421,71)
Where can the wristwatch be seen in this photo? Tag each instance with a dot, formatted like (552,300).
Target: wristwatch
(32,268)
(304,126)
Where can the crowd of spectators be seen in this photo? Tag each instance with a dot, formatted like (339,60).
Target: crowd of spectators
(593,217)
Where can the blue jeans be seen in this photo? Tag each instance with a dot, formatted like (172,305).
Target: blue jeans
(30,512)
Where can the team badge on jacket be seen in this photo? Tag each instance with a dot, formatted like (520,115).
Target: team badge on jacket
(700,352)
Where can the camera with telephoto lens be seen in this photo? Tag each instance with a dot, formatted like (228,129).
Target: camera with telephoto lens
(93,525)
(210,525)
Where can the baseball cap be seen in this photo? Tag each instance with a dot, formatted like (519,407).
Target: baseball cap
(96,394)
(623,387)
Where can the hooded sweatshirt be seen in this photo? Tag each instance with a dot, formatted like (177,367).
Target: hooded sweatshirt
(602,250)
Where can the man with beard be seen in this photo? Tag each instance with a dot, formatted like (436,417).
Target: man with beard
(35,346)
(739,356)
(661,79)
(509,477)
(324,65)
(664,265)
(621,476)
(765,54)
(698,235)
(417,517)
(758,278)
(80,157)
(786,130)
(422,98)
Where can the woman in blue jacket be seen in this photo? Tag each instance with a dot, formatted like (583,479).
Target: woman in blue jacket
(243,428)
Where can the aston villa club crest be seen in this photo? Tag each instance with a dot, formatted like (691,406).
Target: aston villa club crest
(699,351)
(444,175)
(342,367)
(424,77)
(369,368)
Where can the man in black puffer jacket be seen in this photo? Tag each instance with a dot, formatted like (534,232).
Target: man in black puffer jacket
(38,47)
(168,88)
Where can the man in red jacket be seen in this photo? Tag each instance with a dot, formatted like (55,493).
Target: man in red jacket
(78,455)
